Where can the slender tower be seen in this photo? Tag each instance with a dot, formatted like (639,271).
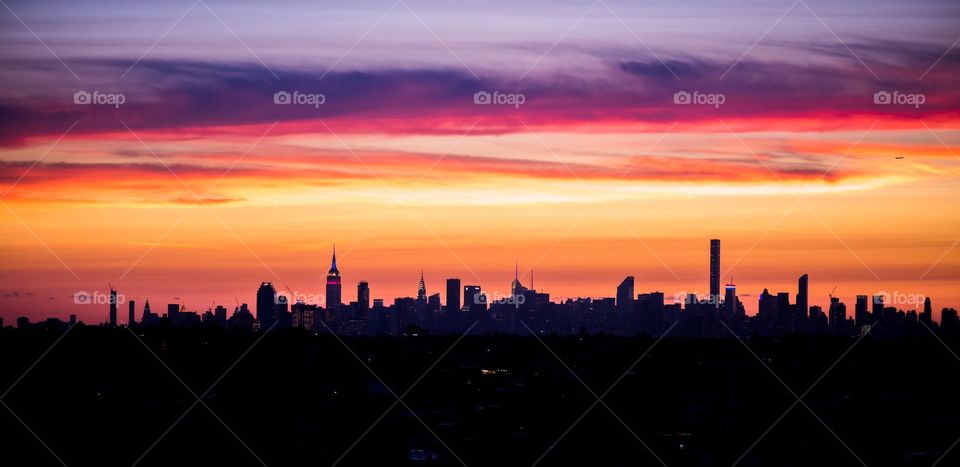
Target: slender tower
(113,306)
(715,271)
(803,285)
(333,283)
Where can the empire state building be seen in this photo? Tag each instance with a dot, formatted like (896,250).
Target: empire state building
(333,284)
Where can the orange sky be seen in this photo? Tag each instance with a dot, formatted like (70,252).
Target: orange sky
(583,209)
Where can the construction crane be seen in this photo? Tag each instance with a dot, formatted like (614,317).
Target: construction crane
(832,291)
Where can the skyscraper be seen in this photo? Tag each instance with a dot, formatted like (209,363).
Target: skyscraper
(731,304)
(837,313)
(803,296)
(625,296)
(453,295)
(363,296)
(421,290)
(113,307)
(266,305)
(715,271)
(927,316)
(877,307)
(131,316)
(333,284)
(860,314)
(473,298)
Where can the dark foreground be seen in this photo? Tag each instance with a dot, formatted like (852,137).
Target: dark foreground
(100,397)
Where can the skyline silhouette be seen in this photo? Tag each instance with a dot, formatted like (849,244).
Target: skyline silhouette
(628,311)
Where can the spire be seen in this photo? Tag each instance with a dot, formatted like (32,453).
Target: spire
(516,270)
(422,289)
(333,263)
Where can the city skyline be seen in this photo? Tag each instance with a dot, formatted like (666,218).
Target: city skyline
(207,145)
(269,292)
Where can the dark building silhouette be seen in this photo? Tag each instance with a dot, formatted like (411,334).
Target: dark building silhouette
(926,317)
(715,271)
(474,299)
(266,305)
(838,314)
(333,284)
(453,295)
(877,311)
(860,315)
(131,313)
(422,290)
(363,297)
(803,293)
(149,318)
(625,296)
(113,307)
(241,318)
(220,314)
(948,319)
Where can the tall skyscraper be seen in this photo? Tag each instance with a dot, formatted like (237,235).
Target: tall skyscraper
(266,305)
(453,295)
(715,271)
(333,284)
(131,313)
(803,305)
(877,307)
(363,296)
(473,298)
(625,296)
(422,290)
(113,307)
(860,313)
(837,313)
(731,304)
(926,317)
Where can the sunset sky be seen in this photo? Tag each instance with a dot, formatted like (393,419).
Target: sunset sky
(198,186)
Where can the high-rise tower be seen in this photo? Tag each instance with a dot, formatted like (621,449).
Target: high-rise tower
(803,296)
(625,296)
(453,295)
(422,289)
(715,271)
(113,307)
(266,305)
(333,283)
